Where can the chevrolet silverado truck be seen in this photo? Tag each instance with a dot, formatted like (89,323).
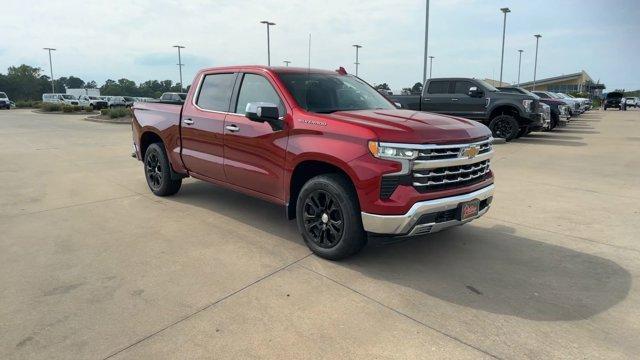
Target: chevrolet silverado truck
(338,156)
(507,115)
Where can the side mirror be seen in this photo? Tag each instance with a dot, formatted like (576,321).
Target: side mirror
(474,92)
(262,111)
(398,105)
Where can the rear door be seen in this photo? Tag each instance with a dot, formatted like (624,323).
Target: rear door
(465,105)
(203,123)
(254,152)
(436,97)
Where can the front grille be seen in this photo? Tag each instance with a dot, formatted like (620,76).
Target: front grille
(446,152)
(451,176)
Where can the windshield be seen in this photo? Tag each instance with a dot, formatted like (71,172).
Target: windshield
(487,85)
(3,95)
(129,98)
(326,93)
(183,96)
(94,98)
(68,97)
(527,92)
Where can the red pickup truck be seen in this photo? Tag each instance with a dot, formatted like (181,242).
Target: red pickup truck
(339,156)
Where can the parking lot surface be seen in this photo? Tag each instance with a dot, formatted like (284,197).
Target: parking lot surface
(93,266)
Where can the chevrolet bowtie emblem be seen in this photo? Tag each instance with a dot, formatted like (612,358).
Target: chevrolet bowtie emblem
(470,152)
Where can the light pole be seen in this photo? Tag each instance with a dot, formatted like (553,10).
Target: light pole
(535,64)
(357,63)
(180,64)
(519,63)
(504,29)
(287,62)
(53,88)
(268,23)
(426,44)
(430,65)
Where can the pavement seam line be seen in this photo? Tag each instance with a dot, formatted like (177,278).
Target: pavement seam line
(403,314)
(562,234)
(208,306)
(70,206)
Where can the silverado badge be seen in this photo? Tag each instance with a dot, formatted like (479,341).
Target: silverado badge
(470,152)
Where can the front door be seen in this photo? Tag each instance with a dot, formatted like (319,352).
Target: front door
(467,106)
(203,123)
(254,152)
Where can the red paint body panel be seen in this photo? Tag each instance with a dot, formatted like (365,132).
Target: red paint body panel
(260,161)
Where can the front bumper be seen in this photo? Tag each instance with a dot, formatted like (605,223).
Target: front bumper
(426,216)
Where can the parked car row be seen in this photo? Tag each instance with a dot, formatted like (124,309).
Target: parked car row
(509,112)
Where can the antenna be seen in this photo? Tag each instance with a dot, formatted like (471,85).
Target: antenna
(309,62)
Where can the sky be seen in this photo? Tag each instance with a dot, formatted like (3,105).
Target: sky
(99,40)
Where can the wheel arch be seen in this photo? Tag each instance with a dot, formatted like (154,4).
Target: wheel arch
(504,109)
(307,169)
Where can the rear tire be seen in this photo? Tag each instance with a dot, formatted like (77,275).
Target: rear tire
(328,217)
(157,171)
(505,127)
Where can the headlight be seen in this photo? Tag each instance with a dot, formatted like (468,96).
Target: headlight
(527,104)
(389,152)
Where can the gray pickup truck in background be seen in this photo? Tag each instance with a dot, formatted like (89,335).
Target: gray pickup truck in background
(508,115)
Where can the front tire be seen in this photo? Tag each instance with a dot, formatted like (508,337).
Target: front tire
(328,217)
(505,127)
(157,171)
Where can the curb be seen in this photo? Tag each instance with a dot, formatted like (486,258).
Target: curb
(125,120)
(59,112)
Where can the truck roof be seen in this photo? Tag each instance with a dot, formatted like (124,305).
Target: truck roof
(278,69)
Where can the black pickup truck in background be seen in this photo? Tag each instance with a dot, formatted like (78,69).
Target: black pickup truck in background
(508,115)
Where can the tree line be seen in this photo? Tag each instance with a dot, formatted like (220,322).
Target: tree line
(26,82)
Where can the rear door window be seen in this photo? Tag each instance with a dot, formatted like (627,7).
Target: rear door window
(438,87)
(215,92)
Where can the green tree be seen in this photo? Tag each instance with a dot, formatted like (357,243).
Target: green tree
(416,88)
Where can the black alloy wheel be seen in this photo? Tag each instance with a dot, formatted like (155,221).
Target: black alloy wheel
(157,170)
(505,127)
(323,219)
(153,170)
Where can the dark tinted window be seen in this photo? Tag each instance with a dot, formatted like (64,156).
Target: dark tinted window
(462,87)
(330,92)
(256,88)
(438,87)
(541,94)
(215,92)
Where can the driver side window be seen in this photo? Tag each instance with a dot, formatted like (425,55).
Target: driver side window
(256,88)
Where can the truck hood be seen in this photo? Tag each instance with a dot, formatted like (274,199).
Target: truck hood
(415,127)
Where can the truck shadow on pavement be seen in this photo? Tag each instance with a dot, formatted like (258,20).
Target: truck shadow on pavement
(489,269)
(494,270)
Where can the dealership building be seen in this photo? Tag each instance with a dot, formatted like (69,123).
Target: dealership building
(577,82)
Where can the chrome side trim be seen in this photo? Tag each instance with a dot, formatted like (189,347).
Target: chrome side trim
(404,224)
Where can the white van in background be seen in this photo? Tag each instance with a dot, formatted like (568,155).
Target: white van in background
(64,99)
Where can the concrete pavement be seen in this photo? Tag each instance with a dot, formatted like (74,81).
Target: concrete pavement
(94,266)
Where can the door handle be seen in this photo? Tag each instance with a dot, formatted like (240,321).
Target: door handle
(232,128)
(454,99)
(187,121)
(426,99)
